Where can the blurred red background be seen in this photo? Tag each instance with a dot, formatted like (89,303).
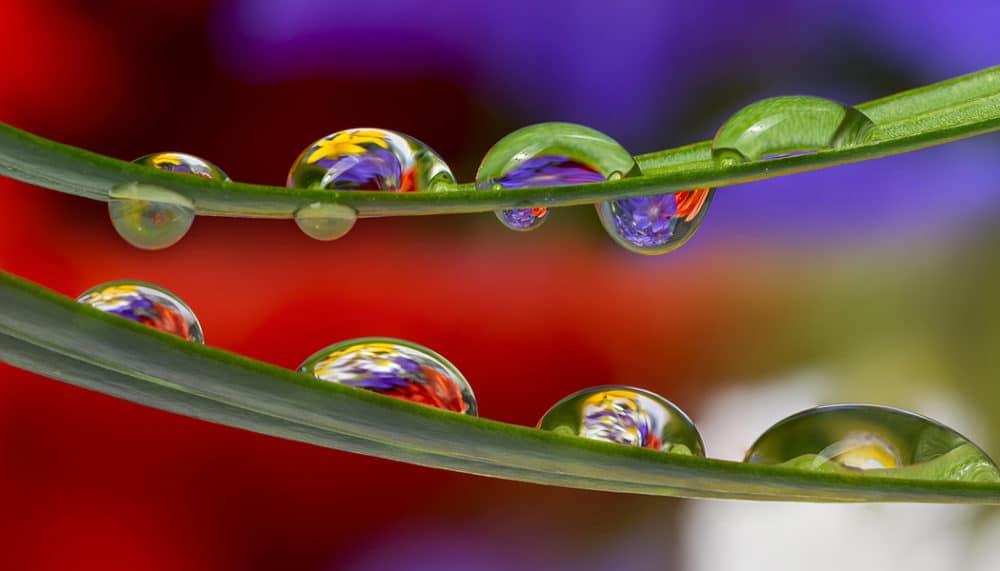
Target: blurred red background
(89,481)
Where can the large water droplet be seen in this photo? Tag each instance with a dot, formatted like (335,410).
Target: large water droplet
(549,154)
(873,439)
(394,368)
(655,224)
(148,304)
(325,221)
(789,124)
(149,217)
(625,415)
(370,159)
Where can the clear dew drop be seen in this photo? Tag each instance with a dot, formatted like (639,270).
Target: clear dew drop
(656,224)
(149,217)
(148,304)
(872,439)
(789,124)
(325,221)
(549,154)
(625,415)
(394,368)
(370,159)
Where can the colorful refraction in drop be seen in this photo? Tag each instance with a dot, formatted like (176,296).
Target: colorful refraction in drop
(148,304)
(151,217)
(625,415)
(394,368)
(549,154)
(655,224)
(872,439)
(370,159)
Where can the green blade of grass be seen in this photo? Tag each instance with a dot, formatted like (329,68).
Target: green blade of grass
(935,114)
(55,336)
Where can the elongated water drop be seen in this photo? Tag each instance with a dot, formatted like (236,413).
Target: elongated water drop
(789,124)
(148,304)
(394,368)
(625,415)
(325,221)
(549,154)
(151,217)
(875,440)
(370,159)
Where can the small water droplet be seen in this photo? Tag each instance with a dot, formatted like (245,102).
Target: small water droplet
(325,221)
(655,224)
(872,439)
(370,159)
(149,217)
(625,415)
(395,368)
(182,163)
(549,154)
(148,304)
(789,124)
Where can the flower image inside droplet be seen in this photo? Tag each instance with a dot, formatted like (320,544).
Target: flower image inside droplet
(394,368)
(148,304)
(549,154)
(869,438)
(625,415)
(370,159)
(655,224)
(182,163)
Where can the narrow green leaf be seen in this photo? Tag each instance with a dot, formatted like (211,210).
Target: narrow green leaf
(54,336)
(923,117)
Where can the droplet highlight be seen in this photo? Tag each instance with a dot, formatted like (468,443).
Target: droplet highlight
(625,415)
(148,304)
(789,124)
(394,368)
(325,221)
(549,154)
(370,159)
(854,438)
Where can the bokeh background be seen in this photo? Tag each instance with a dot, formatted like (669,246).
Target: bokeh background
(873,282)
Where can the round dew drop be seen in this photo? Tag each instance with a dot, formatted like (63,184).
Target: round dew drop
(151,217)
(325,221)
(148,304)
(625,415)
(872,439)
(394,368)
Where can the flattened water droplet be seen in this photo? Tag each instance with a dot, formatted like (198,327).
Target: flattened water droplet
(873,439)
(149,217)
(148,304)
(655,224)
(789,124)
(395,368)
(182,163)
(549,154)
(370,159)
(625,415)
(325,221)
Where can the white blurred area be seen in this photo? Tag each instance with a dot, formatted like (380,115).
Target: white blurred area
(751,536)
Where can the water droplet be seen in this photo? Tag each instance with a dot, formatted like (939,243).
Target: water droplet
(325,221)
(872,439)
(149,217)
(182,163)
(625,415)
(549,154)
(148,304)
(789,124)
(395,368)
(655,224)
(370,159)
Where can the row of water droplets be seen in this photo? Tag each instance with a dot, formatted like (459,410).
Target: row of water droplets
(543,155)
(839,438)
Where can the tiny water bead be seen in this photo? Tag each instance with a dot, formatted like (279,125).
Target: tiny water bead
(872,439)
(370,159)
(789,124)
(325,221)
(550,154)
(655,224)
(151,217)
(148,304)
(625,415)
(394,368)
